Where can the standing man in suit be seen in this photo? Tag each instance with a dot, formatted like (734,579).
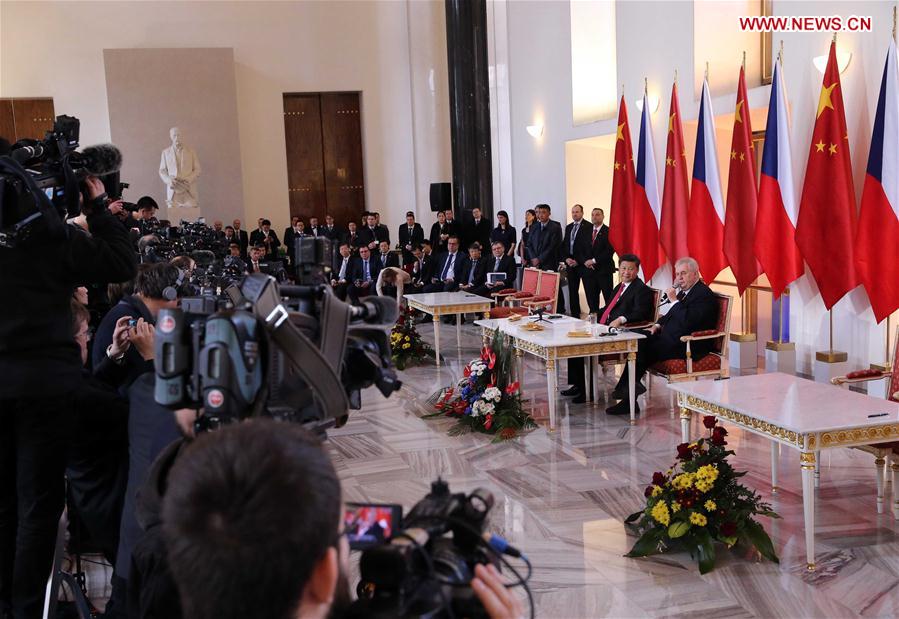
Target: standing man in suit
(478,230)
(632,303)
(499,262)
(575,251)
(290,235)
(342,271)
(365,274)
(474,270)
(372,234)
(544,241)
(449,269)
(314,228)
(409,236)
(267,237)
(352,237)
(332,231)
(386,258)
(596,271)
(243,238)
(694,307)
(382,232)
(453,226)
(288,231)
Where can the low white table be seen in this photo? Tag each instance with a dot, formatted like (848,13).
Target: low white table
(553,343)
(439,304)
(796,412)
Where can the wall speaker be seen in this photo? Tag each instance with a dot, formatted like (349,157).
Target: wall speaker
(441,196)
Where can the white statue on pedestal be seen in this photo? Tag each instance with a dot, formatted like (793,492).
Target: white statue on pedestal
(179,169)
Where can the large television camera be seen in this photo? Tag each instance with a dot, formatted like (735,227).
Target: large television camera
(423,573)
(41,181)
(162,242)
(295,353)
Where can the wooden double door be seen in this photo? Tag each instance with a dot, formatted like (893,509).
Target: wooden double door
(323,134)
(25,118)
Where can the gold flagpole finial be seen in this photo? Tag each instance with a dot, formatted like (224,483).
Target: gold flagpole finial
(780,54)
(675,77)
(622,89)
(834,37)
(645,86)
(706,70)
(744,60)
(894,23)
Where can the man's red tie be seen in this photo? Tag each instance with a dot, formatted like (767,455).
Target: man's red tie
(595,232)
(605,315)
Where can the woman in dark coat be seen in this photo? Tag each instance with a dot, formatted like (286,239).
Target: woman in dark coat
(504,233)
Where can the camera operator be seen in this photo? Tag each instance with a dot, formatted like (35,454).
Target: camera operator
(146,211)
(117,208)
(41,368)
(283,554)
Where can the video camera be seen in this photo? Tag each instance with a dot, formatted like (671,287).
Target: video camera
(42,180)
(295,353)
(423,573)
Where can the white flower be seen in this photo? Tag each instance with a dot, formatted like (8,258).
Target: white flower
(493,394)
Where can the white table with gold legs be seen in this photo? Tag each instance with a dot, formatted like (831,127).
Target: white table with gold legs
(795,412)
(556,342)
(439,304)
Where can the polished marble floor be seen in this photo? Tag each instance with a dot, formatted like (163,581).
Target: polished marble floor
(561,497)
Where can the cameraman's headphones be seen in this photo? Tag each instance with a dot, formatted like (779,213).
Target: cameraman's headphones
(170,293)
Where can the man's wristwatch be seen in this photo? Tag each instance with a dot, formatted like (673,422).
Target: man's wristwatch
(115,359)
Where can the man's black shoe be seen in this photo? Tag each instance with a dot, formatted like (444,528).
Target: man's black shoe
(622,408)
(571,391)
(621,394)
(580,399)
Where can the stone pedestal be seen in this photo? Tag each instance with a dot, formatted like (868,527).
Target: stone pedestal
(176,214)
(780,357)
(830,364)
(743,351)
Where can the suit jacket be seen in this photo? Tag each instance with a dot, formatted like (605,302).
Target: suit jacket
(436,230)
(506,265)
(635,304)
(374,267)
(422,274)
(545,244)
(601,251)
(334,233)
(271,250)
(316,231)
(255,236)
(697,311)
(507,237)
(244,240)
(353,239)
(479,270)
(392,260)
(479,232)
(366,235)
(382,233)
(457,266)
(581,242)
(417,236)
(289,236)
(335,268)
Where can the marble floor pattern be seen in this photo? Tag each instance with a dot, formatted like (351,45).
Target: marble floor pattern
(561,498)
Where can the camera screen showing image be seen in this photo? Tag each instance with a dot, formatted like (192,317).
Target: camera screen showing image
(370,524)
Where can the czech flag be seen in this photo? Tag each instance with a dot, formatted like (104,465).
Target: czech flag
(647,205)
(775,238)
(877,241)
(705,235)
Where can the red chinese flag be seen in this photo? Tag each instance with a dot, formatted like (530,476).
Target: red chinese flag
(827,218)
(742,197)
(621,212)
(676,193)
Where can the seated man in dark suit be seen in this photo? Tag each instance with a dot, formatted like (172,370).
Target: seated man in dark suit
(499,262)
(386,257)
(342,271)
(364,275)
(632,302)
(423,266)
(448,273)
(474,270)
(694,307)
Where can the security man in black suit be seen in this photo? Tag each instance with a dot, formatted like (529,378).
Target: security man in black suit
(477,230)
(424,265)
(410,235)
(596,271)
(447,275)
(332,231)
(575,251)
(544,241)
(632,303)
(386,258)
(372,234)
(694,307)
(499,262)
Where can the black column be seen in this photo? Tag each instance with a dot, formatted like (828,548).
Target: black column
(469,89)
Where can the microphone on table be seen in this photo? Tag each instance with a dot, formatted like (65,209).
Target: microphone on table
(665,299)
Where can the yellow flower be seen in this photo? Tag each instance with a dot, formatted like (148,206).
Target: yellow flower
(406,346)
(675,507)
(407,338)
(683,481)
(698,519)
(710,505)
(704,485)
(656,491)
(707,472)
(660,513)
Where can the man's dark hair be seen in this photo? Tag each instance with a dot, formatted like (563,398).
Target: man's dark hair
(237,245)
(425,242)
(248,512)
(410,214)
(475,245)
(629,258)
(152,279)
(343,244)
(229,228)
(598,209)
(545,206)
(146,202)
(266,222)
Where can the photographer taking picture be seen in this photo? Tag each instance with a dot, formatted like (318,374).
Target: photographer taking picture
(41,368)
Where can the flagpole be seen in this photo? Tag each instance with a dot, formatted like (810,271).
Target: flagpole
(887,365)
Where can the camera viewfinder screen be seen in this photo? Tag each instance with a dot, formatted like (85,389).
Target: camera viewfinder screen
(368,525)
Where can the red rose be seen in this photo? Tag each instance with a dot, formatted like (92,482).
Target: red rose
(512,388)
(648,492)
(718,435)
(709,421)
(658,479)
(728,529)
(488,422)
(491,360)
(466,372)
(684,452)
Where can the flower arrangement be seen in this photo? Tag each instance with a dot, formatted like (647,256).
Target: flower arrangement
(485,400)
(698,502)
(406,345)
